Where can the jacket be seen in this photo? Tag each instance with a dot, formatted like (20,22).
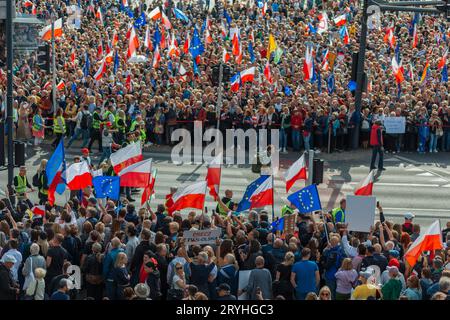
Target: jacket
(7,288)
(108,263)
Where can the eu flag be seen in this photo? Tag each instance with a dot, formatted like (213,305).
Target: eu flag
(156,37)
(245,202)
(116,62)
(250,51)
(227,17)
(87,65)
(140,21)
(330,83)
(444,74)
(277,225)
(106,186)
(196,47)
(306,200)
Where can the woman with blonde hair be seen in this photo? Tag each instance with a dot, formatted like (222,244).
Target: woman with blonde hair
(346,278)
(325,293)
(121,277)
(282,285)
(36,289)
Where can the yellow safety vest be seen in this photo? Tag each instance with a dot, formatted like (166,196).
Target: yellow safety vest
(57,128)
(21,184)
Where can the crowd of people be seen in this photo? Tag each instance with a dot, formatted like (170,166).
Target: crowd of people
(130,252)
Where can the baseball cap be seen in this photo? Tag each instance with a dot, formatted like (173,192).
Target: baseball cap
(394,263)
(409,216)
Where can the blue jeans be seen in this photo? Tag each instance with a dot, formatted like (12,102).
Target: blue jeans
(306,141)
(110,288)
(422,143)
(433,142)
(283,138)
(446,141)
(84,133)
(296,141)
(105,155)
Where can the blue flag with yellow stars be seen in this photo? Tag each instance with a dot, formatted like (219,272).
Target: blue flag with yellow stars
(107,187)
(196,47)
(245,202)
(306,200)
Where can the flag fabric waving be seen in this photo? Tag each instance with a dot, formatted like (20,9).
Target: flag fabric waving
(107,187)
(78,176)
(364,188)
(56,165)
(248,75)
(46,33)
(213,176)
(430,240)
(246,202)
(296,171)
(150,189)
(136,175)
(306,200)
(125,157)
(196,47)
(190,196)
(180,15)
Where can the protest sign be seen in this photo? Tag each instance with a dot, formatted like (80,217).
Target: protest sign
(394,124)
(360,212)
(244,276)
(197,237)
(289,223)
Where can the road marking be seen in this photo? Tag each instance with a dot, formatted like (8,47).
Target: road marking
(417,209)
(418,163)
(446,186)
(425,174)
(401,184)
(392,160)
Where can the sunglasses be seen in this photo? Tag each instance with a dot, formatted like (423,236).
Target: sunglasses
(179,268)
(325,294)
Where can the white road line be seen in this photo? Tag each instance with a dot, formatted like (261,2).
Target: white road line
(425,174)
(416,209)
(418,163)
(387,184)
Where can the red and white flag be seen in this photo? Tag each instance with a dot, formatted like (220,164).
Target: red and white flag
(268,73)
(156,58)
(323,23)
(443,60)
(150,189)
(264,9)
(101,71)
(100,50)
(297,171)
(136,175)
(183,73)
(133,43)
(389,37)
(61,85)
(213,176)
(33,10)
(187,44)
(340,20)
(38,210)
(155,14)
(46,33)
(72,58)
(173,50)
(225,56)
(190,196)
(78,176)
(27,3)
(365,187)
(236,48)
(248,75)
(415,36)
(115,39)
(263,195)
(308,68)
(125,157)
(208,37)
(428,241)
(147,40)
(99,15)
(166,21)
(397,70)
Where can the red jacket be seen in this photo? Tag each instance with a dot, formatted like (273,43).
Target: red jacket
(296,121)
(376,136)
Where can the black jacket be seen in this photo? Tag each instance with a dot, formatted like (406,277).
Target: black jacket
(7,285)
(139,255)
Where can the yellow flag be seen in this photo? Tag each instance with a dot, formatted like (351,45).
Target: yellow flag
(272,46)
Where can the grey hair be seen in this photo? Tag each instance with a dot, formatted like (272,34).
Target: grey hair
(34,249)
(444,284)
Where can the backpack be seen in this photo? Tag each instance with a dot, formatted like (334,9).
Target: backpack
(332,259)
(36,181)
(86,120)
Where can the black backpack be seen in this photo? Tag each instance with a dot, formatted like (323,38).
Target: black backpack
(36,181)
(86,120)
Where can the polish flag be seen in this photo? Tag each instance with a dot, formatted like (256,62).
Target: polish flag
(47,85)
(213,176)
(323,23)
(156,58)
(340,20)
(33,10)
(397,70)
(443,60)
(236,48)
(72,58)
(150,189)
(263,195)
(78,176)
(297,171)
(415,36)
(173,48)
(136,175)
(99,74)
(251,37)
(38,210)
(225,56)
(125,157)
(308,69)
(100,50)
(166,21)
(133,43)
(125,3)
(128,83)
(155,14)
(46,33)
(325,64)
(267,72)
(115,39)
(187,44)
(147,41)
(99,15)
(183,73)
(27,4)
(364,188)
(223,30)
(389,37)
(61,85)
(428,241)
(208,37)
(191,196)
(264,9)
(248,75)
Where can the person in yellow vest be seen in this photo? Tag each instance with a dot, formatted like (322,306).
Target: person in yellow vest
(120,124)
(227,201)
(59,127)
(21,185)
(338,214)
(38,127)
(142,133)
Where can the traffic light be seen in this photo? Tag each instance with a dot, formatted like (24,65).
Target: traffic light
(317,177)
(43,57)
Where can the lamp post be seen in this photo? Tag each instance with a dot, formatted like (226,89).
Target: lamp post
(9,88)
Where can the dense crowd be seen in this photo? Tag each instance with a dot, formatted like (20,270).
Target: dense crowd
(130,252)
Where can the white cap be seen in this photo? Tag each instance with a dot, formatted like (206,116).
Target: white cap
(409,216)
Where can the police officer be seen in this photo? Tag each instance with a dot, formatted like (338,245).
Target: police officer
(95,130)
(227,201)
(59,126)
(43,183)
(338,214)
(21,184)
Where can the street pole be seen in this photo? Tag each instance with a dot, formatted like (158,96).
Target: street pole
(310,166)
(53,67)
(9,88)
(360,73)
(219,106)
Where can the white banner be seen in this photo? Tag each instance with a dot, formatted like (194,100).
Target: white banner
(394,124)
(360,212)
(198,237)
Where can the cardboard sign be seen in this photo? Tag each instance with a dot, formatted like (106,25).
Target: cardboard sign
(394,124)
(289,223)
(360,212)
(197,237)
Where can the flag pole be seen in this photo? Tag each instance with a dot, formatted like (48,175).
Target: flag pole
(273,195)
